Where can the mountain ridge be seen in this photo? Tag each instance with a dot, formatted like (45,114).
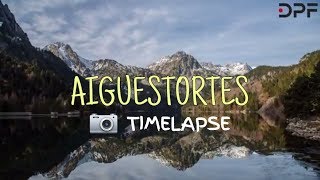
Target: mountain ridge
(179,63)
(231,69)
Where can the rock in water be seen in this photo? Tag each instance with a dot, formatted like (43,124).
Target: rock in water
(308,129)
(272,111)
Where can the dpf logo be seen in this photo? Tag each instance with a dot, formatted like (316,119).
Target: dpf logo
(285,9)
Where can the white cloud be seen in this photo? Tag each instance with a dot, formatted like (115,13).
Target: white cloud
(152,14)
(46,24)
(138,33)
(23,7)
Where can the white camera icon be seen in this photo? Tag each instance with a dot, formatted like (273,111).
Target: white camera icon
(103,124)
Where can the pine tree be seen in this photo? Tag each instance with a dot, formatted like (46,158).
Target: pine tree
(303,98)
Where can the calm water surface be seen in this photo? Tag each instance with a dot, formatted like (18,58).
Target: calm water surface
(63,149)
(277,166)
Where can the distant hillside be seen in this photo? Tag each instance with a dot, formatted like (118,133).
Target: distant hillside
(265,82)
(303,97)
(276,81)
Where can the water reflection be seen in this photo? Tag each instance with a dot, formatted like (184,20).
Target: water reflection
(278,167)
(37,144)
(63,148)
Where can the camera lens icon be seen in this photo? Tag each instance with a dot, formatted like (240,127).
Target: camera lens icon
(106,124)
(103,124)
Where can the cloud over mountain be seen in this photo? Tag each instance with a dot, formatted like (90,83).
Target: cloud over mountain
(139,32)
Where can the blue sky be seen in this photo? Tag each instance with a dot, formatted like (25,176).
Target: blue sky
(140,32)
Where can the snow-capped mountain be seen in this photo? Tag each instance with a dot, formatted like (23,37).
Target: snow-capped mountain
(86,67)
(232,69)
(114,69)
(77,63)
(177,64)
(180,63)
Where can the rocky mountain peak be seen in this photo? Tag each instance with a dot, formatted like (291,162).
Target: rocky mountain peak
(9,27)
(186,58)
(61,45)
(87,68)
(179,63)
(64,51)
(180,54)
